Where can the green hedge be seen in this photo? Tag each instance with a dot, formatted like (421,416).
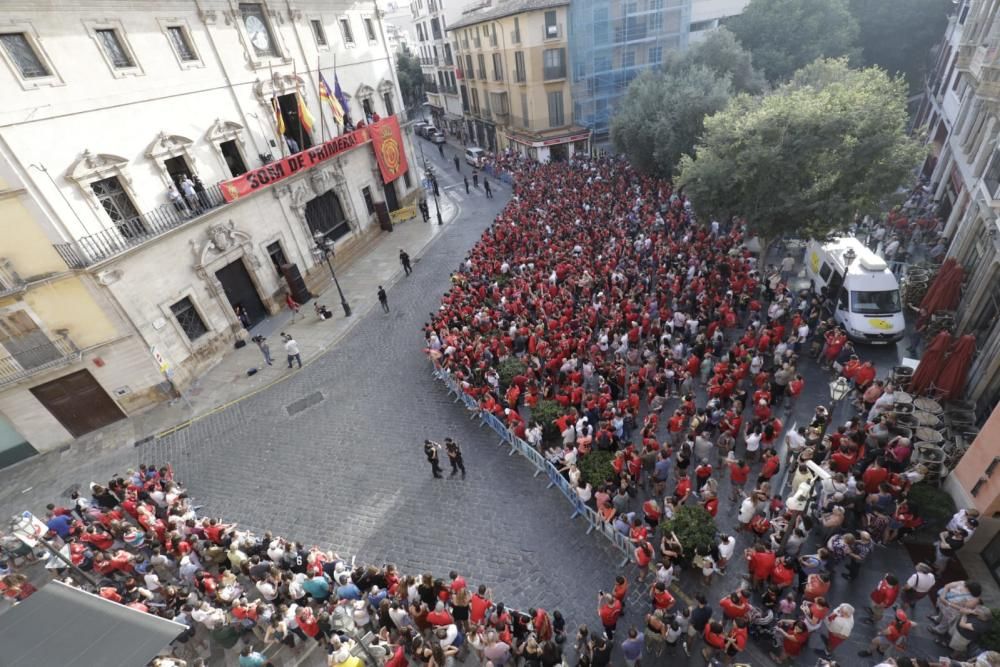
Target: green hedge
(510,368)
(545,413)
(694,527)
(595,467)
(934,505)
(990,641)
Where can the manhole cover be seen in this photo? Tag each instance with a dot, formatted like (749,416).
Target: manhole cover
(304,403)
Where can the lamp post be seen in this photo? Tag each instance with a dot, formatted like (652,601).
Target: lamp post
(839,389)
(431,182)
(324,249)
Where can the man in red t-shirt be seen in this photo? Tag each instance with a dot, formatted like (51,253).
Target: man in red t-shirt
(609,609)
(739,472)
(479,605)
(760,562)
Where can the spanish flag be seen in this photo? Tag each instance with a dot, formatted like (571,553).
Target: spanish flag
(277,115)
(304,116)
(327,95)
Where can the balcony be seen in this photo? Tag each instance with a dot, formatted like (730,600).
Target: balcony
(477,42)
(554,72)
(10,282)
(28,361)
(430,87)
(515,36)
(128,234)
(551,31)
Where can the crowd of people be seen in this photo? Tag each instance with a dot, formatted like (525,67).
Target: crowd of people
(143,544)
(662,340)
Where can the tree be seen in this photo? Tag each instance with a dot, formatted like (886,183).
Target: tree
(808,157)
(722,53)
(411,78)
(662,115)
(898,35)
(784,35)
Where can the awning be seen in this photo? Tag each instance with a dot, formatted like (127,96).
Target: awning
(62,625)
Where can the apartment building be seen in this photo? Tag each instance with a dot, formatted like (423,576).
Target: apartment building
(959,114)
(515,78)
(438,62)
(167,169)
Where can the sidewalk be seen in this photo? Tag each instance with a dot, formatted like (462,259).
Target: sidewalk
(227,382)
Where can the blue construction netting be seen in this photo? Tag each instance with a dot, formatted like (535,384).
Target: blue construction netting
(611,43)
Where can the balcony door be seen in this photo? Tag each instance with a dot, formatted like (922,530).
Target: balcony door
(25,341)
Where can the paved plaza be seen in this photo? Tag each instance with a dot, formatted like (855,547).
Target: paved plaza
(331,455)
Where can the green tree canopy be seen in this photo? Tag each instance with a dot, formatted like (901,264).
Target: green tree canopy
(807,157)
(411,78)
(784,35)
(898,35)
(663,114)
(722,53)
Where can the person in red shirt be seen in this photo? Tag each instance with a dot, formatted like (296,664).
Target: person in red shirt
(736,640)
(643,556)
(893,636)
(609,609)
(771,464)
(865,376)
(661,597)
(739,473)
(783,573)
(675,425)
(715,641)
(479,605)
(620,591)
(683,490)
(760,562)
(794,637)
(440,615)
(883,597)
(735,605)
(873,476)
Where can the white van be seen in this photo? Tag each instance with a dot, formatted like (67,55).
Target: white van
(474,156)
(865,290)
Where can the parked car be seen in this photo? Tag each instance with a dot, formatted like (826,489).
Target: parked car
(420,127)
(436,136)
(474,156)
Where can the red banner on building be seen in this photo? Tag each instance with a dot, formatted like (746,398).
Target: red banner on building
(387,141)
(289,166)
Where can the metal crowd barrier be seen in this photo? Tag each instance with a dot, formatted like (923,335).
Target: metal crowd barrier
(542,466)
(503,176)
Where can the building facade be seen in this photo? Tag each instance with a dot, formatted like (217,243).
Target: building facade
(438,63)
(959,114)
(121,125)
(515,79)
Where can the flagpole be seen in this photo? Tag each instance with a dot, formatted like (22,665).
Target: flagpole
(298,105)
(276,109)
(322,116)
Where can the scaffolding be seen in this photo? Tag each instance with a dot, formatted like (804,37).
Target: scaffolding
(611,43)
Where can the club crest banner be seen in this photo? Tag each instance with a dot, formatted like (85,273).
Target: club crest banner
(387,142)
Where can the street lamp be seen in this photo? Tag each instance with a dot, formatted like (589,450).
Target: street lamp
(324,249)
(839,389)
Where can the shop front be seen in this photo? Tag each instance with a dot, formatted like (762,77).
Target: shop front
(550,148)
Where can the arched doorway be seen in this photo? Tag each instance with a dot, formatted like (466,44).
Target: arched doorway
(325,215)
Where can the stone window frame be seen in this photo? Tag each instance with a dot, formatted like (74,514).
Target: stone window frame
(344,34)
(90,167)
(219,133)
(166,146)
(165,25)
(27,28)
(93,25)
(365,18)
(310,21)
(166,311)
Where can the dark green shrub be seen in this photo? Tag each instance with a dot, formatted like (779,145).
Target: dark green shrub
(694,527)
(545,413)
(934,505)
(595,467)
(510,368)
(990,641)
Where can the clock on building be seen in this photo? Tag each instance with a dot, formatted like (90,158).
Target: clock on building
(258,33)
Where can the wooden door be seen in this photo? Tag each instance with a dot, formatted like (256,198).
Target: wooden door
(79,402)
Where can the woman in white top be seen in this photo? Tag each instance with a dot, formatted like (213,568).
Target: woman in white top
(584,491)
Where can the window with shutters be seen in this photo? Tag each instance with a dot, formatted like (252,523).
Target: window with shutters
(182,43)
(556,115)
(114,49)
(319,34)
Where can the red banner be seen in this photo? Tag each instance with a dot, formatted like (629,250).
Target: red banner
(289,166)
(387,142)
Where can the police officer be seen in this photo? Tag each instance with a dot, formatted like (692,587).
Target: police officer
(454,457)
(431,452)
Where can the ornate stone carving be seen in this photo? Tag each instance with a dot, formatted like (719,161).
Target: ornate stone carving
(109,277)
(222,237)
(320,180)
(209,16)
(224,130)
(168,145)
(300,196)
(89,164)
